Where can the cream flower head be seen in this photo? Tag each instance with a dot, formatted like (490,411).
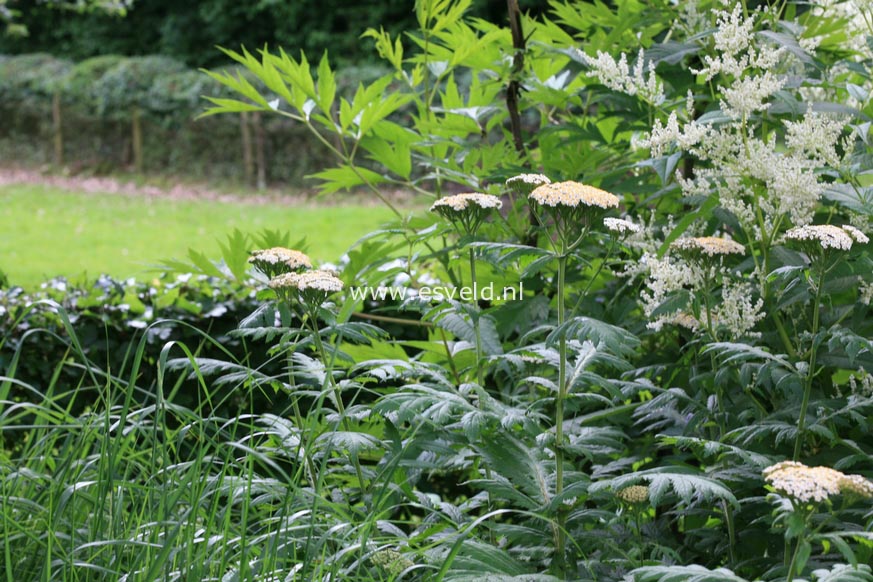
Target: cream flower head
(461,202)
(802,483)
(572,207)
(278,260)
(856,234)
(467,210)
(856,485)
(309,280)
(825,236)
(634,494)
(808,484)
(710,246)
(573,195)
(310,287)
(525,183)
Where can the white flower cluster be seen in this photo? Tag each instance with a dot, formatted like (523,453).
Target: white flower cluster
(815,136)
(748,95)
(682,319)
(736,51)
(865,293)
(666,276)
(860,384)
(617,75)
(460,202)
(808,484)
(279,255)
(708,245)
(750,175)
(620,226)
(803,483)
(737,313)
(828,236)
(856,485)
(319,280)
(573,195)
(525,183)
(856,234)
(662,137)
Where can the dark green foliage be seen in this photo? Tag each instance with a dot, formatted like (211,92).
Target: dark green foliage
(111,317)
(132,83)
(189,31)
(29,81)
(97,101)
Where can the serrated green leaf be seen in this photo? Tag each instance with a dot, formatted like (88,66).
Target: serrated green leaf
(693,573)
(346,178)
(326,85)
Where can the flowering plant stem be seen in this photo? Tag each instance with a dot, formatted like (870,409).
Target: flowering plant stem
(710,328)
(299,419)
(595,277)
(810,372)
(476,328)
(793,568)
(337,396)
(763,269)
(559,402)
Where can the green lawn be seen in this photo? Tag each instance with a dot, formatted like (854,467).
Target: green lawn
(46,232)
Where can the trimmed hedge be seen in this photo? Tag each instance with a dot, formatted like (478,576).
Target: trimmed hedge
(111,317)
(110,112)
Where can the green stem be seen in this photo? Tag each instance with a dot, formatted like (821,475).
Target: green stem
(593,278)
(476,327)
(732,536)
(765,270)
(337,396)
(298,418)
(639,536)
(710,328)
(559,404)
(793,565)
(810,372)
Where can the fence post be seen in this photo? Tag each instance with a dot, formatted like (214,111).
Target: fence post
(136,127)
(58,129)
(260,154)
(248,155)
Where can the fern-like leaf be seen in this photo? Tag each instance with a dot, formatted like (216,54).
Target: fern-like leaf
(844,573)
(691,573)
(686,483)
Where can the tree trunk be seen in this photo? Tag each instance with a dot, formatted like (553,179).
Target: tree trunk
(513,90)
(58,129)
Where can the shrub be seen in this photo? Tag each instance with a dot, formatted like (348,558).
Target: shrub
(79,85)
(31,80)
(82,116)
